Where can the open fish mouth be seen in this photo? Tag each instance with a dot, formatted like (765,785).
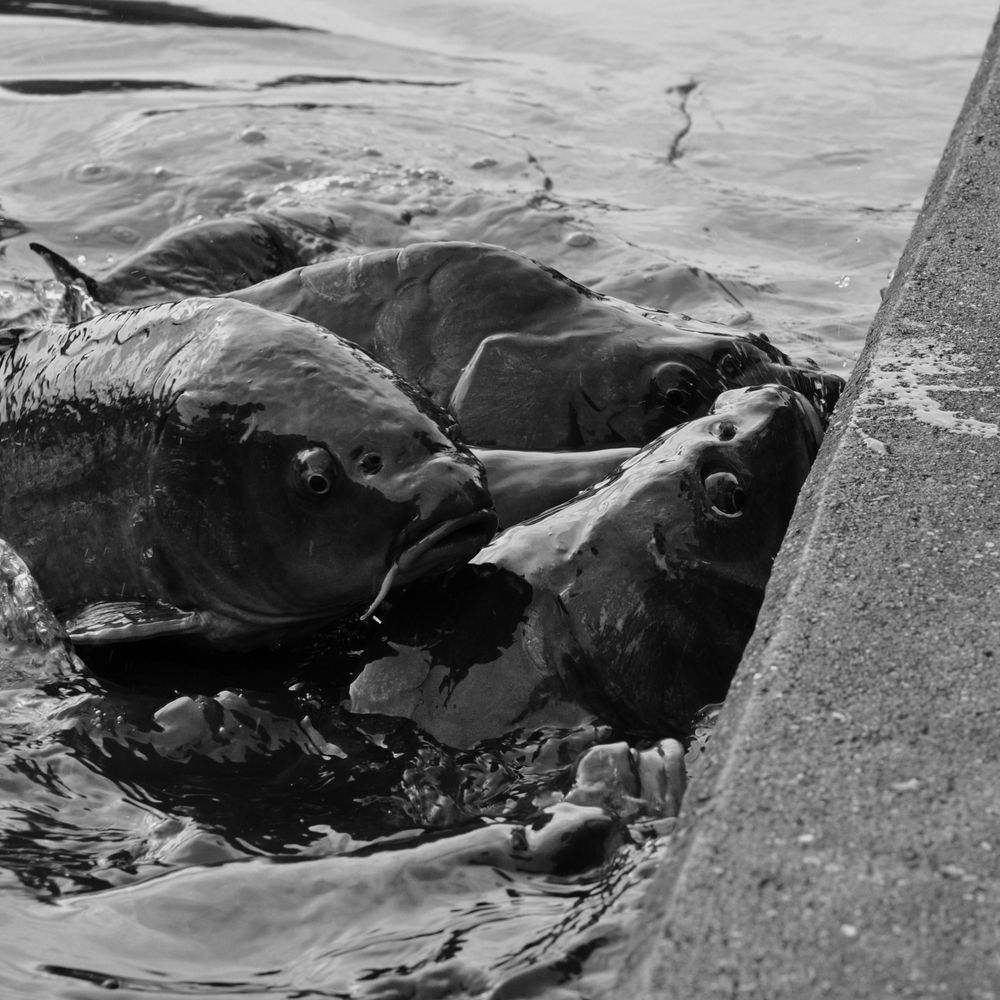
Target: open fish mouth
(446,544)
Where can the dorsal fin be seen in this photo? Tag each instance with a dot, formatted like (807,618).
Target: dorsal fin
(83,297)
(67,273)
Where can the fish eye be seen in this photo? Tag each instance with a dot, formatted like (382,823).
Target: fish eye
(725,493)
(371,463)
(725,430)
(315,470)
(674,384)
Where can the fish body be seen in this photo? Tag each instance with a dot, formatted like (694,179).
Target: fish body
(524,484)
(526,358)
(217,470)
(632,602)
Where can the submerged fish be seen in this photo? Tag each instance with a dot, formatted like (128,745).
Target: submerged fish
(206,258)
(523,356)
(633,602)
(216,470)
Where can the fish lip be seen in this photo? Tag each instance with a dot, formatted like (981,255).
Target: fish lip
(448,542)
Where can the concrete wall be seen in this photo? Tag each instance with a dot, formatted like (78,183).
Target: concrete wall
(845,840)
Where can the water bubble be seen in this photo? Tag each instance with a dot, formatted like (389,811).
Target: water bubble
(371,151)
(483,162)
(843,281)
(252,135)
(579,239)
(92,173)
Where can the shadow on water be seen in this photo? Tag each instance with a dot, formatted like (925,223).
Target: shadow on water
(141,12)
(65,88)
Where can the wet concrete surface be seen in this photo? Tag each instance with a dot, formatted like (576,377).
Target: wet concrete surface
(844,838)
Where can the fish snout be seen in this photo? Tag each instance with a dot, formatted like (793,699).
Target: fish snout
(762,441)
(452,485)
(820,388)
(454,518)
(770,404)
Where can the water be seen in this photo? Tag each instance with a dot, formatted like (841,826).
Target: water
(758,167)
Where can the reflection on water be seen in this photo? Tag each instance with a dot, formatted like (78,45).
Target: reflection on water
(197,833)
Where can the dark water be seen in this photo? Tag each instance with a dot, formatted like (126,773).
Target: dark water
(186,833)
(258,843)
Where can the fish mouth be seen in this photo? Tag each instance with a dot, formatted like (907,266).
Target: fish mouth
(447,543)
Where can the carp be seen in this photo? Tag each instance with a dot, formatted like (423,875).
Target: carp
(523,356)
(211,469)
(632,602)
(526,358)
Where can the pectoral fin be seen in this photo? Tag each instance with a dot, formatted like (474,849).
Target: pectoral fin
(129,621)
(512,393)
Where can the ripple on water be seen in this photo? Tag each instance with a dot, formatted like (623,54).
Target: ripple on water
(116,805)
(98,173)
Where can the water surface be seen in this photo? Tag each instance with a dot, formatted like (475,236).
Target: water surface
(760,166)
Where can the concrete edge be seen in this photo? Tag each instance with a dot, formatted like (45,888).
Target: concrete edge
(744,905)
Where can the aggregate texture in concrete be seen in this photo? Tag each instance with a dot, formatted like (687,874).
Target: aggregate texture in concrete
(844,838)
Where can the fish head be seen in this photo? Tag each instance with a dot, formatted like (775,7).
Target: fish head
(635,386)
(703,515)
(610,375)
(661,568)
(294,473)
